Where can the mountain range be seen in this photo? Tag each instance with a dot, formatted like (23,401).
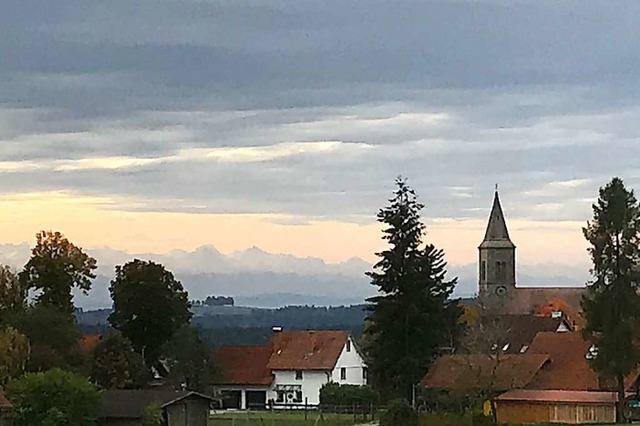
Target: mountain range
(258,278)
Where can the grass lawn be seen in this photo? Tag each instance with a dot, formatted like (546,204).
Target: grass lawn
(281,418)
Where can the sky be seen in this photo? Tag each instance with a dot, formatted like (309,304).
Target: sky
(161,124)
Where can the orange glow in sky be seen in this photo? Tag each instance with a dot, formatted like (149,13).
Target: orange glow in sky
(98,222)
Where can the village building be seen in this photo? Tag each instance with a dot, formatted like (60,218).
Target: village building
(178,408)
(290,369)
(555,406)
(497,289)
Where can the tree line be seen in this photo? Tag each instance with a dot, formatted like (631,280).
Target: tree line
(41,343)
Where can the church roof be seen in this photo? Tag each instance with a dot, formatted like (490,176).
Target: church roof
(497,234)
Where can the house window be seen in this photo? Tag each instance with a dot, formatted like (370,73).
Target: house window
(348,345)
(298,374)
(365,374)
(343,373)
(289,394)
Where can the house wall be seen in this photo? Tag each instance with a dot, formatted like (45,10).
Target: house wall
(516,412)
(354,364)
(312,381)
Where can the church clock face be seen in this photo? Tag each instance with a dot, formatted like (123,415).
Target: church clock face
(501,291)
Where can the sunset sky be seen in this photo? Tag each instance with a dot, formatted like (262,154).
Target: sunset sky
(161,124)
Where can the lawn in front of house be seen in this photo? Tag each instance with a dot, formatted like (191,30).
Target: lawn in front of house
(283,418)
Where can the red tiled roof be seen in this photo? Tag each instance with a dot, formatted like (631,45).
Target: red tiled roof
(88,342)
(569,368)
(5,404)
(529,300)
(244,365)
(479,371)
(306,350)
(580,397)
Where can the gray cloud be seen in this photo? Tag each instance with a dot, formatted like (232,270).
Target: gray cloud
(452,94)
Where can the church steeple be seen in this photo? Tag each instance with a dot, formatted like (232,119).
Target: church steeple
(497,256)
(497,233)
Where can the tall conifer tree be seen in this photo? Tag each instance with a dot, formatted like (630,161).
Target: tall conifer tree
(412,317)
(612,304)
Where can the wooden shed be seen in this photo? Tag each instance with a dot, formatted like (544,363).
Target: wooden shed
(127,407)
(555,406)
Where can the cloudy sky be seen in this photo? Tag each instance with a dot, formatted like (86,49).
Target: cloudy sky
(150,125)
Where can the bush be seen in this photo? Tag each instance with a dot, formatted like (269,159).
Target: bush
(152,415)
(347,395)
(55,397)
(399,413)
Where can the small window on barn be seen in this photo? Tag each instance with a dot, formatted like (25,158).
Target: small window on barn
(343,373)
(506,347)
(348,345)
(298,374)
(524,348)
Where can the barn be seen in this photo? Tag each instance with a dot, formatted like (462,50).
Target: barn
(555,406)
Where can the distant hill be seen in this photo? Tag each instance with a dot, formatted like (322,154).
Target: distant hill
(257,278)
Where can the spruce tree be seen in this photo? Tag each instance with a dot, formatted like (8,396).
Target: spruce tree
(611,304)
(412,317)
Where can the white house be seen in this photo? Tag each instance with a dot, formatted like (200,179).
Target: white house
(290,369)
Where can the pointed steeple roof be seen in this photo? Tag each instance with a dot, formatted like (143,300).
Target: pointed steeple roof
(497,234)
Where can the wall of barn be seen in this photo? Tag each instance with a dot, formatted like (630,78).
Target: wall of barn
(515,412)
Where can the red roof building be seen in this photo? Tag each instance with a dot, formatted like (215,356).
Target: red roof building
(289,369)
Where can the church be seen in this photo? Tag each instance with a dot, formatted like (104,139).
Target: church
(497,289)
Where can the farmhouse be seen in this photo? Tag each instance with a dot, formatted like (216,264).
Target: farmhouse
(290,369)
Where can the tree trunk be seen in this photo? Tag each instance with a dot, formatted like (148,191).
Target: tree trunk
(620,418)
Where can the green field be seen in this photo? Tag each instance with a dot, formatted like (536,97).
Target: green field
(283,418)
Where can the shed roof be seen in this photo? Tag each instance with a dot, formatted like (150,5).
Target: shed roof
(5,404)
(478,371)
(244,365)
(562,396)
(306,349)
(130,403)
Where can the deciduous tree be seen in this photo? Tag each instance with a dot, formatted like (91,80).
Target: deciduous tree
(191,362)
(13,294)
(14,354)
(53,335)
(412,317)
(149,305)
(115,365)
(55,268)
(612,304)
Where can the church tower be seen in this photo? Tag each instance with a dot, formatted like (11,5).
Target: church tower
(497,256)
